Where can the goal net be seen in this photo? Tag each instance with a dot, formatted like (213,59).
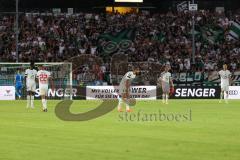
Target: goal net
(60,72)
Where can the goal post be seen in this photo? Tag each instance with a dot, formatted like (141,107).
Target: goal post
(61,73)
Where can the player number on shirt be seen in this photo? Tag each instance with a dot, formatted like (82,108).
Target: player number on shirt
(43,78)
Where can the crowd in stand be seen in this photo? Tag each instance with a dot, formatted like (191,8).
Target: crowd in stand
(161,38)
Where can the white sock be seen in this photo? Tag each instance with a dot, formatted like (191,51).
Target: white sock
(221,96)
(166,97)
(120,104)
(226,97)
(44,103)
(163,98)
(28,101)
(32,101)
(127,107)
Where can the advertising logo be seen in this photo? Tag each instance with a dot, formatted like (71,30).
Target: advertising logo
(234,92)
(197,92)
(7,93)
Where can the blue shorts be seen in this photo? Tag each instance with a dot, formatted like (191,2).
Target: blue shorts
(19,86)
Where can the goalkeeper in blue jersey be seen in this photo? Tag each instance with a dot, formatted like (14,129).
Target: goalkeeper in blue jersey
(18,84)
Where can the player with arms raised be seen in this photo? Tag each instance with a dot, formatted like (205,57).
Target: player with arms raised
(124,89)
(30,79)
(225,76)
(44,77)
(165,81)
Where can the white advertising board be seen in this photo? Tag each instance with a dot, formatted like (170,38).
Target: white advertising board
(234,92)
(112,92)
(7,93)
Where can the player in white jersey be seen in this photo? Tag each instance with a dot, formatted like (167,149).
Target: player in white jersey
(44,77)
(124,89)
(225,76)
(165,81)
(30,79)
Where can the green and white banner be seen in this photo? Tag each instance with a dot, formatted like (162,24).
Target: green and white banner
(114,42)
(234,32)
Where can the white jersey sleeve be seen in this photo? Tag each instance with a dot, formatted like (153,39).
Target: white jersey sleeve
(26,72)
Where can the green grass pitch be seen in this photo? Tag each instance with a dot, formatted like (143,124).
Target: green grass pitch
(212,134)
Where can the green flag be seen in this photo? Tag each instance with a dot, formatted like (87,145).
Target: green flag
(159,37)
(121,41)
(234,32)
(212,34)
